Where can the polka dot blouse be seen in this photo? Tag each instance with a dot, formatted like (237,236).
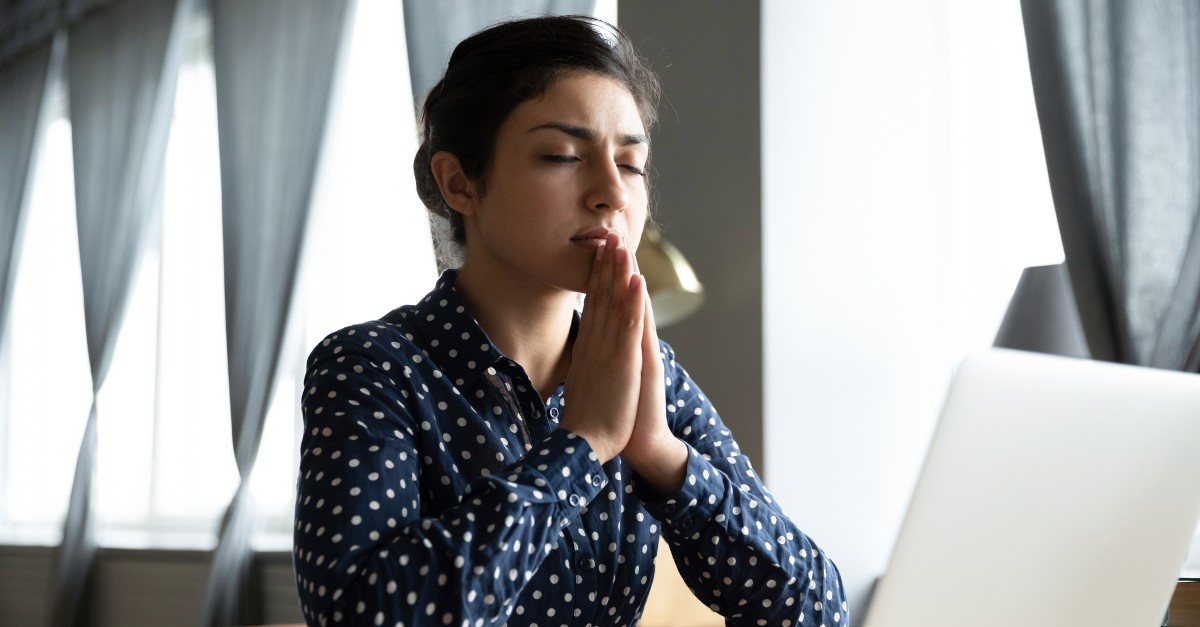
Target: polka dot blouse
(436,488)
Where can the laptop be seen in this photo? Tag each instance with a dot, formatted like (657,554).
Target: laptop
(1056,492)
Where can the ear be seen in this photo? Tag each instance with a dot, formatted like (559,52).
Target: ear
(456,188)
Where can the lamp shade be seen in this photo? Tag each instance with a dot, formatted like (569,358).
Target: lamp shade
(1042,316)
(675,292)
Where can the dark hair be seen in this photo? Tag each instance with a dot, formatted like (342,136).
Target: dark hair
(492,72)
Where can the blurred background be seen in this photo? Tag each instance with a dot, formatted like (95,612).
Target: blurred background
(858,185)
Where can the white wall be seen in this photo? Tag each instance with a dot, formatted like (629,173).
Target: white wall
(903,190)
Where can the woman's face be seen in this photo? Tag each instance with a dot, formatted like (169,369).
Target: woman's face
(568,167)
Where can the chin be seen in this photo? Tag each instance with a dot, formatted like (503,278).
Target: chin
(573,276)
(577,285)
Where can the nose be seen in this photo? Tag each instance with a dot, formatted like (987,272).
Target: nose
(606,189)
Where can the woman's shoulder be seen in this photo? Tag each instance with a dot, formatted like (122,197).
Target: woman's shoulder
(393,336)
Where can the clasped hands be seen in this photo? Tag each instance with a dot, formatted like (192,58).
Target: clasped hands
(615,389)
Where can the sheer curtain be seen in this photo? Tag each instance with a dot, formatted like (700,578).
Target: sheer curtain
(121,67)
(24,81)
(1117,86)
(274,66)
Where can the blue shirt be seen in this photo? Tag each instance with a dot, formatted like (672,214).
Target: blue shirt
(436,488)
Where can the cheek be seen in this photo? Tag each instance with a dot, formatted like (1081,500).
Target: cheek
(635,235)
(639,210)
(636,223)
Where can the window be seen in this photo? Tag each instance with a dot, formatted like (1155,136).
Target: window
(50,394)
(165,468)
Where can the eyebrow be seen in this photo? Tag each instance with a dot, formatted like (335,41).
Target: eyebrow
(589,134)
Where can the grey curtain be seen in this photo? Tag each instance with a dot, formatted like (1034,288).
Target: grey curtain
(122,64)
(1117,87)
(274,64)
(26,24)
(432,29)
(22,88)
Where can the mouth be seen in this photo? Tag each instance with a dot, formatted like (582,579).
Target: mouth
(591,239)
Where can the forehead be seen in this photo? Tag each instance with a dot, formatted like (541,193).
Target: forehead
(592,101)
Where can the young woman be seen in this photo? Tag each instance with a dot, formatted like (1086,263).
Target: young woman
(490,456)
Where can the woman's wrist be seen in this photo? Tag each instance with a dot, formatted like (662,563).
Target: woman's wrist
(663,466)
(599,443)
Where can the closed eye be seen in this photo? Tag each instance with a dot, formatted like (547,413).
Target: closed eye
(628,167)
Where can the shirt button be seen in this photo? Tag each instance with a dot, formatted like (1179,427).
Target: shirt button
(596,481)
(554,412)
(688,523)
(585,563)
(575,500)
(670,508)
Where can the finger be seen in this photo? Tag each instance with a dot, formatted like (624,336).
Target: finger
(623,271)
(635,313)
(600,299)
(637,269)
(651,351)
(650,329)
(585,319)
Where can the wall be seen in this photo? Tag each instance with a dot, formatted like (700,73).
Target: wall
(706,154)
(904,189)
(139,586)
(856,224)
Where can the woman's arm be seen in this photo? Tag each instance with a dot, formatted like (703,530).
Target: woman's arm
(366,551)
(736,549)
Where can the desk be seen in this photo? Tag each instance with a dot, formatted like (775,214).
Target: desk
(1185,604)
(670,603)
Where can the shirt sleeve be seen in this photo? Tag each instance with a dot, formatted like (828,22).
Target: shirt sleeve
(736,549)
(366,552)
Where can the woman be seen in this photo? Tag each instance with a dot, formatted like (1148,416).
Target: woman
(445,478)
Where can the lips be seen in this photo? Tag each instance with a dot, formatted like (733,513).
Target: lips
(598,233)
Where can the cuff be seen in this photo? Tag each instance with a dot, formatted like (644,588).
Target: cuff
(699,500)
(570,472)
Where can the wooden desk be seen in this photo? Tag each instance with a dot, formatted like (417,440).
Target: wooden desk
(1185,605)
(672,604)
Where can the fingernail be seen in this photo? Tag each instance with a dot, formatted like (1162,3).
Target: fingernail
(600,249)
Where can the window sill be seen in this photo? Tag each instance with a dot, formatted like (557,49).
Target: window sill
(166,539)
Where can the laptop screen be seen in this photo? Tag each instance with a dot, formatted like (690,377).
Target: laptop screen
(1056,491)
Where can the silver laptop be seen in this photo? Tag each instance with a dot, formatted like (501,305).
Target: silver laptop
(1056,492)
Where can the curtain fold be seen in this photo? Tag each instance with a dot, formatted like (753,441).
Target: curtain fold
(274,64)
(22,91)
(25,25)
(122,65)
(1117,88)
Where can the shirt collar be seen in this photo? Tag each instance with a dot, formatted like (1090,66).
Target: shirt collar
(453,339)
